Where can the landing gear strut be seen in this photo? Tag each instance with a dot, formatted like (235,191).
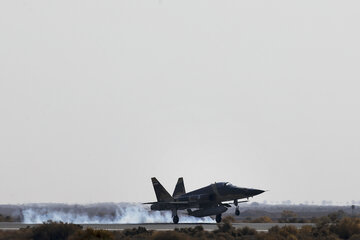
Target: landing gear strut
(175,216)
(237,211)
(218,218)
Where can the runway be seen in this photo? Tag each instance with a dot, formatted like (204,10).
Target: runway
(261,227)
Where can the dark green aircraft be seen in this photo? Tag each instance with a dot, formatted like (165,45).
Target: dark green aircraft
(207,201)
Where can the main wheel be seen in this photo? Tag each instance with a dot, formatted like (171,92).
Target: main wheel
(175,219)
(218,218)
(237,212)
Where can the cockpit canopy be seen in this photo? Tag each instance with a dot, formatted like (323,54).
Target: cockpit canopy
(229,184)
(223,184)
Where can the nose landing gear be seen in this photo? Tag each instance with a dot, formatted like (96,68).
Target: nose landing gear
(237,211)
(175,216)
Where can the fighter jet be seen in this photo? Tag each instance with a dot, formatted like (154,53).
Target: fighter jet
(207,201)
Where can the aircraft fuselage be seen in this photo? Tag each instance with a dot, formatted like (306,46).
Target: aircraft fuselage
(207,200)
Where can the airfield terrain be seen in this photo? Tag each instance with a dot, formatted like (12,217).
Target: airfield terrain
(135,213)
(135,221)
(261,227)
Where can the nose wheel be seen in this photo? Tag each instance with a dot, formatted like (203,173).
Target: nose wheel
(237,211)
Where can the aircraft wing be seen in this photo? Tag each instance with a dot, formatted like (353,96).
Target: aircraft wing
(179,202)
(228,203)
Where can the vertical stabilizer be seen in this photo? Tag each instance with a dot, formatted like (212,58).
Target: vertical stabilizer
(179,188)
(161,194)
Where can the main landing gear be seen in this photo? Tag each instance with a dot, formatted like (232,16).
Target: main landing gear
(175,216)
(237,211)
(176,219)
(218,218)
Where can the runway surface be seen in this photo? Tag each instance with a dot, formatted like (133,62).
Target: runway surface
(160,226)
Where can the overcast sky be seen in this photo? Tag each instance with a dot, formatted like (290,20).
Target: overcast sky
(97,97)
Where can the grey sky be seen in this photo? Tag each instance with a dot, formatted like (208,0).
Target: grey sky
(96,97)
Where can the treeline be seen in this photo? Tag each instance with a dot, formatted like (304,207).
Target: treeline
(345,228)
(291,217)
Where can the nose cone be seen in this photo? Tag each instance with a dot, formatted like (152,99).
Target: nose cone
(255,192)
(247,192)
(243,192)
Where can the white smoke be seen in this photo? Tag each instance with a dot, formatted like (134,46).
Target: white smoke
(110,213)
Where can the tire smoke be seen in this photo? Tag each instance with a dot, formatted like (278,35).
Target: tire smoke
(106,213)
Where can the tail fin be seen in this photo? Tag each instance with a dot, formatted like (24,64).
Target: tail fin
(179,188)
(161,194)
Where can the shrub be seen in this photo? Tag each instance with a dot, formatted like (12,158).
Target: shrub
(229,219)
(355,237)
(169,235)
(225,227)
(91,234)
(288,216)
(54,231)
(264,219)
(336,216)
(246,231)
(135,231)
(347,227)
(6,218)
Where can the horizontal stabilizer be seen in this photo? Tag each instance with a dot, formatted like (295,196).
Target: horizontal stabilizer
(149,202)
